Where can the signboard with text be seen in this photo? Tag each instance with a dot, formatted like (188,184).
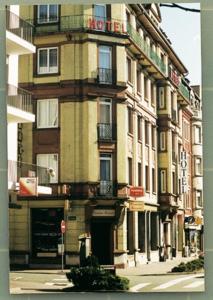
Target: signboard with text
(136,206)
(136,191)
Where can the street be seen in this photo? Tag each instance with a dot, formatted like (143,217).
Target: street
(50,281)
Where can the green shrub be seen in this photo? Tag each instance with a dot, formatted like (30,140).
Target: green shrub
(190,266)
(96,278)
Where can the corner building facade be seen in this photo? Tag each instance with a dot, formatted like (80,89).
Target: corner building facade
(102,79)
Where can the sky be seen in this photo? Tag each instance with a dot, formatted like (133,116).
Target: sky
(183,30)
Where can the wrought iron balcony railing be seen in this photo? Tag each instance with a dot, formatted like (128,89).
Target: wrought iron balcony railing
(106,131)
(19,98)
(19,26)
(17,169)
(105,76)
(106,188)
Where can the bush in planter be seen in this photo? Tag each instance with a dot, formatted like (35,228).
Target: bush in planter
(190,266)
(93,277)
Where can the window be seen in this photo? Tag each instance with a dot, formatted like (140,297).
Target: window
(174,183)
(139,175)
(139,128)
(47,113)
(47,14)
(186,130)
(161,94)
(139,89)
(153,180)
(105,64)
(105,125)
(162,137)
(199,200)
(105,111)
(163,181)
(47,60)
(153,137)
(49,161)
(100,12)
(153,95)
(129,69)
(130,120)
(146,88)
(105,174)
(147,177)
(130,171)
(198,168)
(197,132)
(146,132)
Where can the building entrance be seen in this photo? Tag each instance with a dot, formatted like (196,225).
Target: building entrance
(102,241)
(45,232)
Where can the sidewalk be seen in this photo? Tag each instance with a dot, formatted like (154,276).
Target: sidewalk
(153,268)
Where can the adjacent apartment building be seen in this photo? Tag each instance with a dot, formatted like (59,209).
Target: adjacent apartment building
(113,109)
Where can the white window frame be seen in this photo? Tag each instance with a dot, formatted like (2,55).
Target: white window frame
(201,197)
(47,71)
(107,102)
(161,94)
(162,138)
(107,158)
(41,21)
(52,179)
(163,181)
(104,5)
(47,112)
(198,164)
(197,128)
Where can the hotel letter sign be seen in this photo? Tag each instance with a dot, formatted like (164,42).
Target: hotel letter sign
(183,165)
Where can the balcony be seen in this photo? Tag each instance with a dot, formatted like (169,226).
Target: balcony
(106,131)
(19,105)
(184,92)
(88,23)
(19,35)
(105,76)
(17,169)
(106,188)
(146,49)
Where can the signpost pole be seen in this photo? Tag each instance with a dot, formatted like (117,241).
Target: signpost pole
(62,252)
(63,229)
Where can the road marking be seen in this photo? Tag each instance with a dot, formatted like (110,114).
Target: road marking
(194,284)
(139,286)
(173,282)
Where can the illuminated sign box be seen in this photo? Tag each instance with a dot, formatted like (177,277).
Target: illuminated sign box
(28,186)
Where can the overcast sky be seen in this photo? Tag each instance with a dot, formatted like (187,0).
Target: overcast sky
(183,29)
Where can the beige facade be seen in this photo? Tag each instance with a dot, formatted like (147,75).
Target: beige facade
(108,118)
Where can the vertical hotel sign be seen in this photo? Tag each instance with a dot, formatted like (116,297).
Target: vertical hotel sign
(28,186)
(183,165)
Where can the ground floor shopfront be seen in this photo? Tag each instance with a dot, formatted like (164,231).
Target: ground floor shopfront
(108,229)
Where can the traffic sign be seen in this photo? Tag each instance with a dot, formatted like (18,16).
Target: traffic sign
(63,226)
